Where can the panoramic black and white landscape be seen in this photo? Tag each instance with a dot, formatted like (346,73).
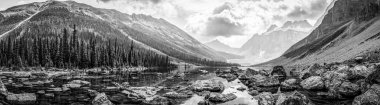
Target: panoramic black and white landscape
(190,52)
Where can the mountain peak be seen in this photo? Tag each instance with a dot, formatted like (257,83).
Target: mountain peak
(297,24)
(272,27)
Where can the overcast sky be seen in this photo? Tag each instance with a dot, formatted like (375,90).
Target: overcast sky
(231,21)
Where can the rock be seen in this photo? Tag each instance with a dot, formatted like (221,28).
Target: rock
(133,97)
(348,89)
(220,98)
(359,60)
(289,85)
(266,98)
(279,72)
(175,95)
(212,85)
(314,70)
(333,79)
(79,82)
(72,85)
(253,92)
(25,98)
(358,72)
(313,83)
(374,77)
(240,88)
(205,103)
(101,99)
(3,89)
(228,76)
(371,97)
(158,100)
(295,98)
(269,82)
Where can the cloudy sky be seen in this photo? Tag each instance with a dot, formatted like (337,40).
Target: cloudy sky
(231,21)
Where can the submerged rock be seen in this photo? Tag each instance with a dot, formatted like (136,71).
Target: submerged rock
(158,100)
(175,95)
(313,83)
(371,97)
(218,97)
(295,98)
(24,99)
(212,85)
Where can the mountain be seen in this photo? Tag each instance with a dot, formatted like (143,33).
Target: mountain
(51,17)
(274,42)
(348,29)
(221,47)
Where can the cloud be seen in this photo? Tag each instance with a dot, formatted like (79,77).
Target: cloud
(225,6)
(311,10)
(222,26)
(143,1)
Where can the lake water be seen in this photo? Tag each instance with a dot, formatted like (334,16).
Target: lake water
(169,79)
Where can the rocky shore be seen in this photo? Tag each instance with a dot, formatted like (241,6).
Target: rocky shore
(338,84)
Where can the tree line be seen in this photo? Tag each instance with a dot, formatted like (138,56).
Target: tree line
(67,50)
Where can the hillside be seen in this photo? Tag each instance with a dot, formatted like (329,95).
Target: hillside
(350,28)
(50,18)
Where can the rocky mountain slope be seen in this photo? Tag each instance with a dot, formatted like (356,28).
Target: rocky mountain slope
(350,28)
(219,46)
(274,42)
(49,18)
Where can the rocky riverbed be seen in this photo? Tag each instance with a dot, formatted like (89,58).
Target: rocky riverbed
(339,84)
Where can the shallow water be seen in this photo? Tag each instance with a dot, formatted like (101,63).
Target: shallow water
(193,74)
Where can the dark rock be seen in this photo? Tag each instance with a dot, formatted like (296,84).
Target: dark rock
(348,89)
(371,97)
(294,98)
(253,92)
(205,103)
(374,77)
(220,98)
(313,83)
(279,71)
(241,88)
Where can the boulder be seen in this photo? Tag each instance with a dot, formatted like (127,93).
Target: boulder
(314,70)
(269,82)
(205,103)
(313,83)
(289,85)
(253,92)
(101,99)
(175,95)
(3,89)
(212,85)
(279,72)
(370,97)
(374,77)
(133,96)
(294,98)
(79,82)
(220,98)
(23,99)
(241,88)
(158,100)
(348,89)
(71,85)
(266,98)
(358,72)
(228,76)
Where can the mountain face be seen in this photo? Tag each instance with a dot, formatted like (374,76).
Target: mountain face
(348,29)
(274,42)
(49,18)
(221,47)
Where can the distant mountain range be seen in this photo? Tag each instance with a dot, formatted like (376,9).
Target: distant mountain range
(269,45)
(51,17)
(348,29)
